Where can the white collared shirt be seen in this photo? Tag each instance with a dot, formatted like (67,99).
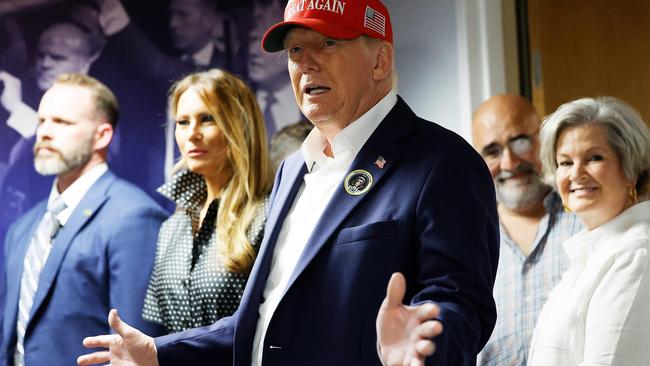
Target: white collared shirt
(203,56)
(598,313)
(76,191)
(319,184)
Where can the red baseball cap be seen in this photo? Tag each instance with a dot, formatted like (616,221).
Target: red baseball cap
(339,19)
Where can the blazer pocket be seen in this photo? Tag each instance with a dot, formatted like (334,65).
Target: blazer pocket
(380,229)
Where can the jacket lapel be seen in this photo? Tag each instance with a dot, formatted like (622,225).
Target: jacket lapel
(383,142)
(285,192)
(81,215)
(14,268)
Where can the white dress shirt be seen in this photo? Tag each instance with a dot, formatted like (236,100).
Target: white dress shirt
(599,313)
(76,191)
(324,176)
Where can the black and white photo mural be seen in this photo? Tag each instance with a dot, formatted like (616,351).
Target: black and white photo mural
(138,48)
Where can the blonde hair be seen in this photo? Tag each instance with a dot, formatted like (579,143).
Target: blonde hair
(233,105)
(105,102)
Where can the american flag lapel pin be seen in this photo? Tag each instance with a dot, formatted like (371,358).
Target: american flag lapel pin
(380,162)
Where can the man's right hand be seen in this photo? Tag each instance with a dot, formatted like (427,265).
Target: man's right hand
(129,347)
(11,93)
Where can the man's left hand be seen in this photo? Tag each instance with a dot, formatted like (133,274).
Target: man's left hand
(404,333)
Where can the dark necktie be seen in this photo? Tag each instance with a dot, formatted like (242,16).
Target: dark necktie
(269,121)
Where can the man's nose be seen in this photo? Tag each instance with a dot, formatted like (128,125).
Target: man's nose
(47,61)
(308,61)
(44,130)
(509,160)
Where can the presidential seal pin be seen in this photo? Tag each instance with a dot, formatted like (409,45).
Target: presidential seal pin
(357,182)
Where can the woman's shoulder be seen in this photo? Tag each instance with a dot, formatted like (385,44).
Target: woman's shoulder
(631,248)
(638,234)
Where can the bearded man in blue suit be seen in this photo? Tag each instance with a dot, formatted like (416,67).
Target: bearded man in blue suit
(375,190)
(88,248)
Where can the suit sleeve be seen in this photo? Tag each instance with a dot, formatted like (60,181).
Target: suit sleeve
(195,346)
(458,254)
(131,254)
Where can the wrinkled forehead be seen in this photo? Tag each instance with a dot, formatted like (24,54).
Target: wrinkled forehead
(64,39)
(303,34)
(500,126)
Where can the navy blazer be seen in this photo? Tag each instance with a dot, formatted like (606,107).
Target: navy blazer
(430,214)
(100,259)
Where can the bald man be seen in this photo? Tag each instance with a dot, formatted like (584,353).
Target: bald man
(62,48)
(533,224)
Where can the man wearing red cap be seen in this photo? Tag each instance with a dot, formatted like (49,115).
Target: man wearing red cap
(375,193)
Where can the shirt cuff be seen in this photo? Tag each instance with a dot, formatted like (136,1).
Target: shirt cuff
(24,120)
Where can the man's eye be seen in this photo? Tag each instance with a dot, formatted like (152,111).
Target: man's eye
(521,145)
(293,50)
(492,152)
(329,42)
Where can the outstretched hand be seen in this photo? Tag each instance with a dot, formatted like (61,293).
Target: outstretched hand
(129,347)
(405,333)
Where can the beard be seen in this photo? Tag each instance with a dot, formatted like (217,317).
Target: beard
(62,161)
(523,193)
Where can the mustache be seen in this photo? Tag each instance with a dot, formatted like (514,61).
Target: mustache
(44,145)
(523,168)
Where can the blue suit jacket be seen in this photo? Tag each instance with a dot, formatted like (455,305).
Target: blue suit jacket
(430,214)
(100,259)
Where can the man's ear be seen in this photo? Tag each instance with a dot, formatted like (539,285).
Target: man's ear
(384,65)
(103,136)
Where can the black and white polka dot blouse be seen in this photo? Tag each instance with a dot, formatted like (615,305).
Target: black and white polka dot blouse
(189,286)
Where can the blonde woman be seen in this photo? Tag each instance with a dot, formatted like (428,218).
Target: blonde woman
(207,247)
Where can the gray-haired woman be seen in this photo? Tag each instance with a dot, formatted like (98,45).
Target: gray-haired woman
(597,154)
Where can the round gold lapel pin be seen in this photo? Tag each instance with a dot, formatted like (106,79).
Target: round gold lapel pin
(357,182)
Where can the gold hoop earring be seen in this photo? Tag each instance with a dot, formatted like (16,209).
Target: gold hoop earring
(566,208)
(631,193)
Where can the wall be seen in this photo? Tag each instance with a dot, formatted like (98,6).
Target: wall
(588,48)
(427,58)
(450,56)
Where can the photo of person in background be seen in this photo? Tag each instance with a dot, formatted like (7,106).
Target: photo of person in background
(267,72)
(596,152)
(207,247)
(287,141)
(65,45)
